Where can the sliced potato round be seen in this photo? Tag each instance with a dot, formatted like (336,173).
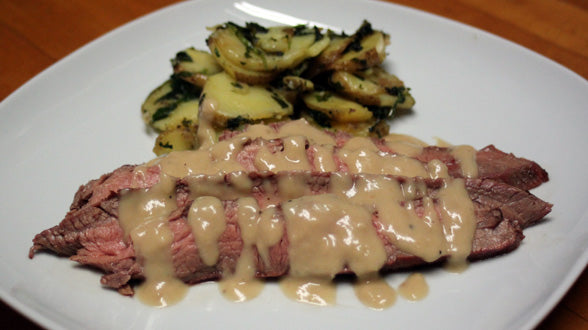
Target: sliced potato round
(236,101)
(381,77)
(325,59)
(337,108)
(362,90)
(184,112)
(175,139)
(169,105)
(195,66)
(156,100)
(246,76)
(273,40)
(254,74)
(371,52)
(265,50)
(393,86)
(298,84)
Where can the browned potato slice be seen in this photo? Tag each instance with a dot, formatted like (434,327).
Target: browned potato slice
(381,77)
(195,66)
(362,90)
(243,75)
(336,108)
(362,50)
(397,95)
(370,52)
(365,91)
(325,60)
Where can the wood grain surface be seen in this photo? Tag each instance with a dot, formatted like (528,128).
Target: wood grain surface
(35,34)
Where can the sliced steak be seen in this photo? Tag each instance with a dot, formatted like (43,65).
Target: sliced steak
(90,232)
(492,162)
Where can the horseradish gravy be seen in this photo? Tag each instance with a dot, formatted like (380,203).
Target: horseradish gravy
(327,232)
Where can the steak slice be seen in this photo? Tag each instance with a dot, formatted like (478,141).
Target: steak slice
(492,162)
(91,234)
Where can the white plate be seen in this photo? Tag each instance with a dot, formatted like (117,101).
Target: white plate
(80,118)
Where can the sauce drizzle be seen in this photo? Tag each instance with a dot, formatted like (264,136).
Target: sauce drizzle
(328,231)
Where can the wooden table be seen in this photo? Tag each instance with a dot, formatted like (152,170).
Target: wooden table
(35,34)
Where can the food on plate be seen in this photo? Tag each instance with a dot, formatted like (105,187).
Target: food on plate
(288,200)
(171,105)
(373,87)
(238,103)
(393,154)
(260,74)
(96,231)
(182,137)
(275,161)
(257,55)
(194,66)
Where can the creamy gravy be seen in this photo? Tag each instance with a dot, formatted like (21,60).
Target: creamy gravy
(291,128)
(327,232)
(414,287)
(466,158)
(319,290)
(404,144)
(292,158)
(207,221)
(357,155)
(242,284)
(373,291)
(143,216)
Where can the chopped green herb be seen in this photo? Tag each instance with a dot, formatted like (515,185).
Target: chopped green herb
(301,30)
(317,34)
(396,90)
(280,101)
(400,92)
(247,38)
(337,86)
(255,28)
(183,57)
(184,74)
(320,118)
(234,123)
(364,30)
(166,145)
(187,123)
(382,112)
(164,112)
(380,129)
(361,62)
